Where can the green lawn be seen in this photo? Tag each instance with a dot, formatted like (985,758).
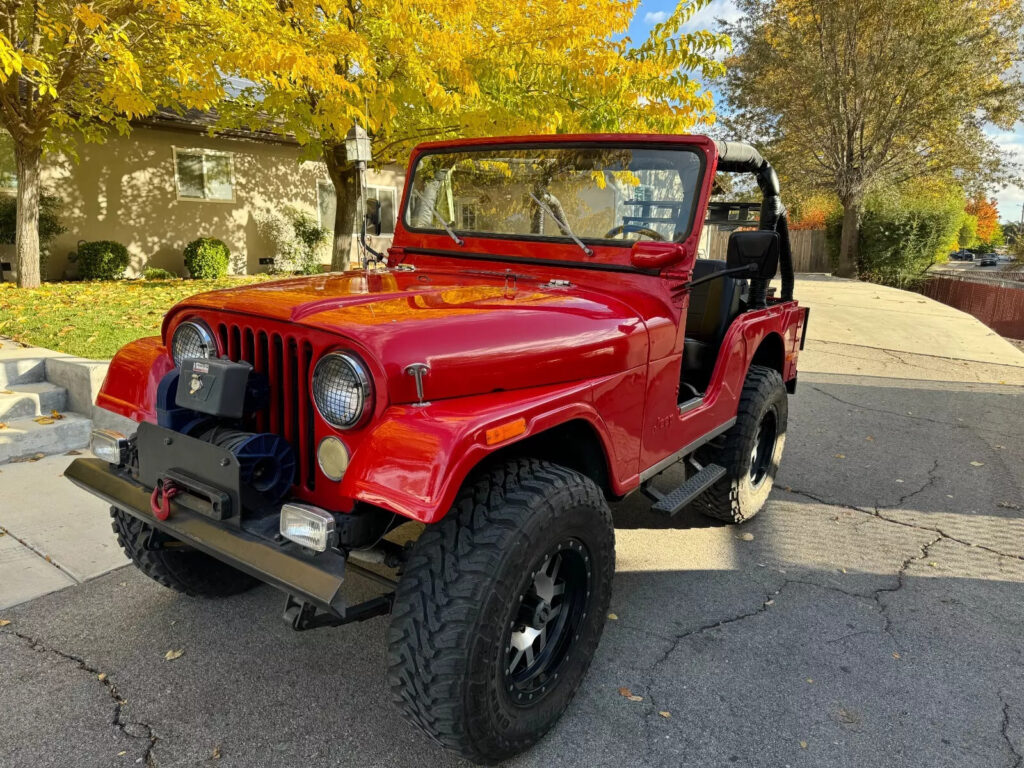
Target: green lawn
(96,319)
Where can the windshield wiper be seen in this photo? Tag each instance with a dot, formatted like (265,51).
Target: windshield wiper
(437,215)
(562,225)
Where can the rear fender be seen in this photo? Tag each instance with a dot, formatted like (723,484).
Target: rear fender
(415,460)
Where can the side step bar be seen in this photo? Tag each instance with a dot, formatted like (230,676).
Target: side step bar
(672,502)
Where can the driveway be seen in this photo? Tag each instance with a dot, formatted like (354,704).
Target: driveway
(871,615)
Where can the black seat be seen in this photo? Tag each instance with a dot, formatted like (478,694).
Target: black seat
(712,308)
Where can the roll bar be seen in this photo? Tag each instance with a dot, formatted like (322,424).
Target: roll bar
(736,157)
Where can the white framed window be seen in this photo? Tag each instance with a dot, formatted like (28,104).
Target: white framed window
(383,198)
(204,174)
(466,214)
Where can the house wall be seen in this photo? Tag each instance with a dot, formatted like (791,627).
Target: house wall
(125,190)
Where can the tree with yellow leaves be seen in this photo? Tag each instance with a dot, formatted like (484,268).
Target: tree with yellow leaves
(426,69)
(73,71)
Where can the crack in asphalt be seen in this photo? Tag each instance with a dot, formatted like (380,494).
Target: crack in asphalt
(911,416)
(900,582)
(1015,756)
(877,512)
(650,703)
(128,728)
(933,478)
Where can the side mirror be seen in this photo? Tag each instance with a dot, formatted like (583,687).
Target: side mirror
(372,217)
(655,254)
(758,249)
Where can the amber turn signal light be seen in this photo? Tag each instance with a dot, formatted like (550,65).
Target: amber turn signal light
(505,431)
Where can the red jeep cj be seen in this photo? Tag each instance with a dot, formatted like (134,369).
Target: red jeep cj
(540,339)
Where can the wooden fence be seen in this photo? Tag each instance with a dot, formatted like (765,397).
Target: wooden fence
(999,305)
(809,253)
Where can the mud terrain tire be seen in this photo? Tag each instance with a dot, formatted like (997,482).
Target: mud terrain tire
(478,584)
(751,451)
(177,566)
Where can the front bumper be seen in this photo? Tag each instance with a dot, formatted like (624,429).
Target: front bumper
(317,579)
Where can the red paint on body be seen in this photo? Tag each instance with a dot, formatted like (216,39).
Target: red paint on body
(501,342)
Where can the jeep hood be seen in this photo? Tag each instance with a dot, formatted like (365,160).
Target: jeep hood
(478,334)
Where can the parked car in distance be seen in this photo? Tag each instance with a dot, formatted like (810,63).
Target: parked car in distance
(988,260)
(961,256)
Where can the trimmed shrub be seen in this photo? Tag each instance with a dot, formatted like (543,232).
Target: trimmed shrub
(155,273)
(300,244)
(207,258)
(102,260)
(904,230)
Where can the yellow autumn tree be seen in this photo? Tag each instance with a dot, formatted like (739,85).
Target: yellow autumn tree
(72,71)
(425,69)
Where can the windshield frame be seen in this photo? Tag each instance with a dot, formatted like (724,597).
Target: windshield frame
(477,146)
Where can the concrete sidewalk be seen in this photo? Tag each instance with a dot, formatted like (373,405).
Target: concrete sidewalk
(871,330)
(52,535)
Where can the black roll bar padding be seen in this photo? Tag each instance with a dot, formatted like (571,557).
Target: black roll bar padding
(736,157)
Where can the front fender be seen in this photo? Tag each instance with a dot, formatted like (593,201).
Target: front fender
(415,460)
(132,378)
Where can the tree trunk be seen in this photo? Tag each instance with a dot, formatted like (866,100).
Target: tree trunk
(345,178)
(27,222)
(847,266)
(427,202)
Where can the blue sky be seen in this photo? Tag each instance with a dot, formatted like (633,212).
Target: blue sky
(651,12)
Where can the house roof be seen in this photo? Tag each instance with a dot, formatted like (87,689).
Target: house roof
(205,122)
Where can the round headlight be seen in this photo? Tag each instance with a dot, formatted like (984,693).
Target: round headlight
(192,339)
(342,389)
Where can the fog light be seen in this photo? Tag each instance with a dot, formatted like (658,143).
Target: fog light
(307,526)
(109,445)
(332,455)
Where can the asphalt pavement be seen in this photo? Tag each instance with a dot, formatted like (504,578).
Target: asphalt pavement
(871,615)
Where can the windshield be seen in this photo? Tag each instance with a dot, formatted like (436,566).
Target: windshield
(616,194)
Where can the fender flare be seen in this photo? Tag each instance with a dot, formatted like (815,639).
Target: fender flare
(431,450)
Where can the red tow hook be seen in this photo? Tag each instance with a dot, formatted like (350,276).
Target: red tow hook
(160,501)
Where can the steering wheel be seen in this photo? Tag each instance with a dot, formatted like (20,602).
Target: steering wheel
(622,229)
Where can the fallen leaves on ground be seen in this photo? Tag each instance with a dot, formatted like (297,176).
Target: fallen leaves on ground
(44,420)
(4,622)
(666,714)
(3,425)
(30,457)
(57,415)
(977,464)
(101,676)
(746,537)
(613,617)
(172,655)
(625,692)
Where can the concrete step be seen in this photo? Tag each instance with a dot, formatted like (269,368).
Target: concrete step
(25,437)
(27,400)
(21,369)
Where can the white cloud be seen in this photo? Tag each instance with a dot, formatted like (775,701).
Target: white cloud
(1011,198)
(716,9)
(655,17)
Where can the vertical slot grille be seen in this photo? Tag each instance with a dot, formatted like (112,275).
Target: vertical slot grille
(286,361)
